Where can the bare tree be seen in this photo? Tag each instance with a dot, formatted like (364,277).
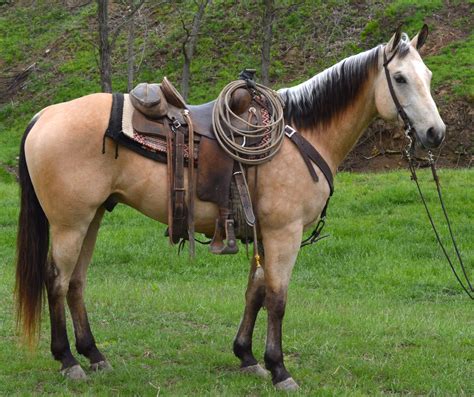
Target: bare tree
(104,47)
(270,15)
(267,24)
(131,52)
(106,43)
(189,45)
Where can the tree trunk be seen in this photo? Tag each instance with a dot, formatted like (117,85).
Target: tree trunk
(267,24)
(131,54)
(104,47)
(189,46)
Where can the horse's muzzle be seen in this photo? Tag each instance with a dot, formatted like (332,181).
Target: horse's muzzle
(433,137)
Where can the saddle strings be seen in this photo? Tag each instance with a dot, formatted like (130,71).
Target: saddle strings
(227,134)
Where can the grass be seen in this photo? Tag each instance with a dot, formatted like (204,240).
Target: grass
(454,64)
(411,14)
(373,310)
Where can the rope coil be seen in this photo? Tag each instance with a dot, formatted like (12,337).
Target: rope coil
(229,135)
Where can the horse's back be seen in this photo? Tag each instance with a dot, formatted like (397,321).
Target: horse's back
(90,111)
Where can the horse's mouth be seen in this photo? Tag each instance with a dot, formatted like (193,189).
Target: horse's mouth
(427,144)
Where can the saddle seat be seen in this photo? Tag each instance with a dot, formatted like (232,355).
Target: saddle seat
(161,112)
(158,104)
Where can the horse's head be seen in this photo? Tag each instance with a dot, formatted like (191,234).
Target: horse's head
(410,80)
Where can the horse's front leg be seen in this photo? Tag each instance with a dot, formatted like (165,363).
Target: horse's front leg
(253,303)
(281,249)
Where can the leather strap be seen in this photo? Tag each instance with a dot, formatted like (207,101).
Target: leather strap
(178,187)
(310,154)
(191,179)
(242,188)
(170,174)
(406,120)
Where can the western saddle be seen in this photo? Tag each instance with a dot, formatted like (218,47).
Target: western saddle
(161,112)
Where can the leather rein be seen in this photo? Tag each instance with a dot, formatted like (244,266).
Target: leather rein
(408,154)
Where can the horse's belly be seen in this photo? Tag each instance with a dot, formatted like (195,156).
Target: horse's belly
(143,184)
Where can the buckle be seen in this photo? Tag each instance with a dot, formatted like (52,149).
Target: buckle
(176,124)
(289,131)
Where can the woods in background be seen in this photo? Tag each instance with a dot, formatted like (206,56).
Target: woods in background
(55,50)
(192,16)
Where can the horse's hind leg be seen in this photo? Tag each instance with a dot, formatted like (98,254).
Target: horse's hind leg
(85,343)
(65,249)
(254,298)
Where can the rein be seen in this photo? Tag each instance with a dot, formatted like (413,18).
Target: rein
(409,133)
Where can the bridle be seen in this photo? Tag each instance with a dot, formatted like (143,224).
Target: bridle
(408,154)
(401,112)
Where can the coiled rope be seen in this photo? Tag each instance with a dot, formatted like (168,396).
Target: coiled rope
(233,140)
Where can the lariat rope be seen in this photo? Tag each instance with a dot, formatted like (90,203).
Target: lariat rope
(233,139)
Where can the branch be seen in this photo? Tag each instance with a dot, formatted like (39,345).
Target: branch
(75,6)
(288,9)
(144,46)
(115,33)
(186,30)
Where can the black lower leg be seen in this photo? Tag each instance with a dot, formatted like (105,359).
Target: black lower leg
(85,343)
(59,341)
(274,353)
(243,341)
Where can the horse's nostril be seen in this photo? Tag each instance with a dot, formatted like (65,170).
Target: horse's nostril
(431,134)
(434,137)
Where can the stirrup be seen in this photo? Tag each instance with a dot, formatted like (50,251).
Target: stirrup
(220,247)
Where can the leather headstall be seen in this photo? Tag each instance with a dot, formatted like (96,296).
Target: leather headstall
(408,125)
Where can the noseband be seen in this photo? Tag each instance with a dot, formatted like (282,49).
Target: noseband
(408,152)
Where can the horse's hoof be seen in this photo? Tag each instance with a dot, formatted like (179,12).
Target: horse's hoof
(256,369)
(287,385)
(75,373)
(101,366)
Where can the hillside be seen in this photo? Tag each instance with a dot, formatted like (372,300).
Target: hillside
(48,54)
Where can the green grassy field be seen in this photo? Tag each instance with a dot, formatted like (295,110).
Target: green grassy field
(373,310)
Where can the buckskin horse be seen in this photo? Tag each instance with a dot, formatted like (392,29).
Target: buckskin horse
(65,180)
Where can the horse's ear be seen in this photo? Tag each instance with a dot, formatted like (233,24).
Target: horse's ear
(393,43)
(420,38)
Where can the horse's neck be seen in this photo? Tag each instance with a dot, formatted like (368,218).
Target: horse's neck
(336,140)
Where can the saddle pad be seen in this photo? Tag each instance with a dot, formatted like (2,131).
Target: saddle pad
(150,143)
(128,108)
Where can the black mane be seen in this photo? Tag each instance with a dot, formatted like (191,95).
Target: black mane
(326,95)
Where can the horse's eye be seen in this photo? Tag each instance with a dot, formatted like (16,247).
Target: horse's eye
(400,79)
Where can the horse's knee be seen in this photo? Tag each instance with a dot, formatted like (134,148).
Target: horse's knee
(76,286)
(275,302)
(255,295)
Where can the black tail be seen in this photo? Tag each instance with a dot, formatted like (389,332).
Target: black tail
(32,252)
